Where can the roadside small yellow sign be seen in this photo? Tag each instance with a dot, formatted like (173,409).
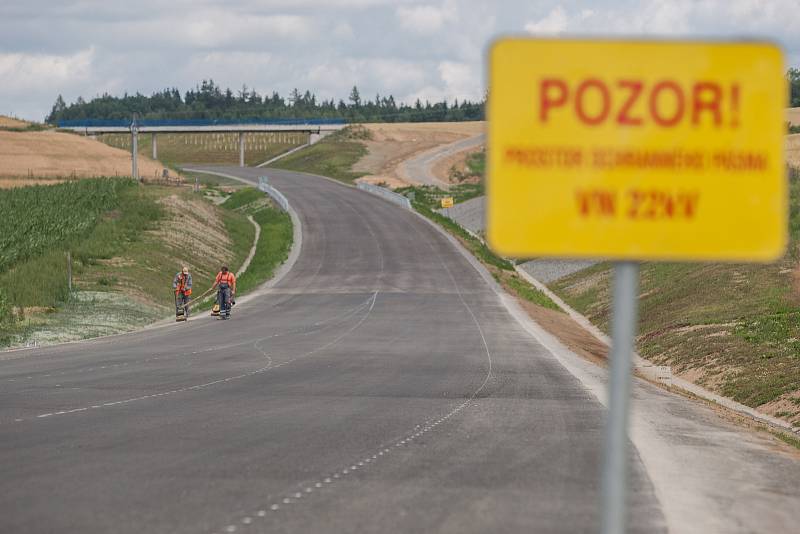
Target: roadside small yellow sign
(638,150)
(447,202)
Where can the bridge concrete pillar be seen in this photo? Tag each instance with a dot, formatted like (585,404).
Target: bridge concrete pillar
(241,149)
(135,154)
(155,145)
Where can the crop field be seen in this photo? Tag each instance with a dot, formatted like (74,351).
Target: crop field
(216,148)
(46,215)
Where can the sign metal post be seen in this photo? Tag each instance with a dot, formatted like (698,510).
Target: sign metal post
(635,151)
(623,334)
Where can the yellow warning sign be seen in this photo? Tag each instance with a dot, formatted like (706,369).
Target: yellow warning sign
(447,202)
(637,150)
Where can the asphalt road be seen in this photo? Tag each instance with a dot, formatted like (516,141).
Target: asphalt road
(383,385)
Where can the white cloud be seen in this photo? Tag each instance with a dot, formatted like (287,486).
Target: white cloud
(553,23)
(343,30)
(430,49)
(25,72)
(460,80)
(427,18)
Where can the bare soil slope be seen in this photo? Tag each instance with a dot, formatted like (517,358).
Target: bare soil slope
(793,149)
(392,143)
(50,154)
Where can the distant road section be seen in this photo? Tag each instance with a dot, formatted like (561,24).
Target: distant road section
(419,169)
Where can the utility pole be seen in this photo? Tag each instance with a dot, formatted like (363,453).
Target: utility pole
(135,148)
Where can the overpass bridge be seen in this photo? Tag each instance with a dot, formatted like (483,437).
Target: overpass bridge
(316,128)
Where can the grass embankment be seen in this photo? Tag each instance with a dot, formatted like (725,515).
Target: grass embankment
(127,241)
(333,156)
(274,242)
(210,148)
(431,196)
(733,328)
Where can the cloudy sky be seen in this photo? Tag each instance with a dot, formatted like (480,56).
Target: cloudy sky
(428,49)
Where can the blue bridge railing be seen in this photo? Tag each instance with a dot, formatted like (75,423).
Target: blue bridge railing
(107,123)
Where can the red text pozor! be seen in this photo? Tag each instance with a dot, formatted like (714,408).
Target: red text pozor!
(631,102)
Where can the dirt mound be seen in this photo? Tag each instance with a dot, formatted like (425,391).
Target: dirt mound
(392,143)
(50,154)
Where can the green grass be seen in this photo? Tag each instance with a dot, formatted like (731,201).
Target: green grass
(272,249)
(430,196)
(333,156)
(786,438)
(213,181)
(476,163)
(242,197)
(210,148)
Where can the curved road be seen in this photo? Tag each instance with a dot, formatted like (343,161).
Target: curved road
(383,385)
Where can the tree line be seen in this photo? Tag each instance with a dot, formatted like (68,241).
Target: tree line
(209,101)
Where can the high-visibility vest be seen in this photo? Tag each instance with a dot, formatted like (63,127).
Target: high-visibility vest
(182,281)
(226,278)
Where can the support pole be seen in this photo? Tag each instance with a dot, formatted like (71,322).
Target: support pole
(623,333)
(134,148)
(135,154)
(241,149)
(155,145)
(69,272)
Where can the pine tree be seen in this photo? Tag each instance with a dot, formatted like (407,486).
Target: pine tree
(57,111)
(355,97)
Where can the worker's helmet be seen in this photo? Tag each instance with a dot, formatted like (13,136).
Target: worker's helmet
(224,268)
(185,270)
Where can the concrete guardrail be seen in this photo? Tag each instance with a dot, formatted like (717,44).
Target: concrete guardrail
(277,196)
(387,194)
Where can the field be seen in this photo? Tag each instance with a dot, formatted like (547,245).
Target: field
(46,216)
(34,155)
(10,123)
(211,148)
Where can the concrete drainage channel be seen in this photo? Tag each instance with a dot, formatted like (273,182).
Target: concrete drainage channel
(660,374)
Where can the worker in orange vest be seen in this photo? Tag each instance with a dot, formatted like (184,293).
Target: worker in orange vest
(226,293)
(182,285)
